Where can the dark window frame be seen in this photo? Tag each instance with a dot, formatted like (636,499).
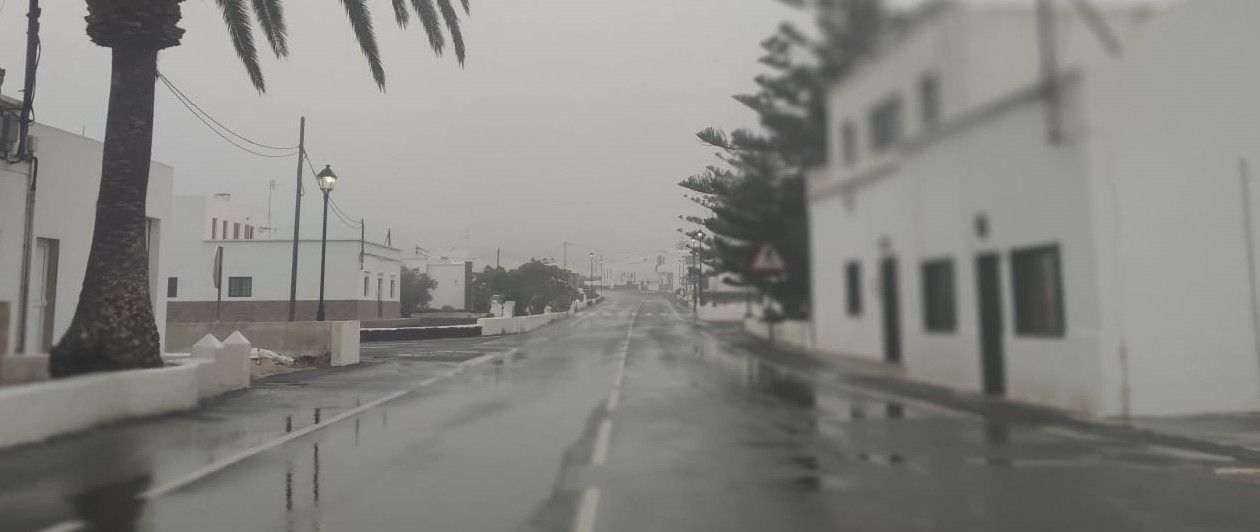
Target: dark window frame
(940,295)
(240,286)
(1029,320)
(853,287)
(214,229)
(849,143)
(172,287)
(887,124)
(930,99)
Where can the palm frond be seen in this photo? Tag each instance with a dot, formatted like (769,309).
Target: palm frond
(432,24)
(452,26)
(401,15)
(236,17)
(361,21)
(270,15)
(467,10)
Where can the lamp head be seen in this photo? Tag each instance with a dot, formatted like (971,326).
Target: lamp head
(326,178)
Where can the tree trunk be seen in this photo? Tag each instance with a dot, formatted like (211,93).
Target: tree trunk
(113,326)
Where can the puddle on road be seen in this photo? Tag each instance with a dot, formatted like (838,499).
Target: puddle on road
(112,507)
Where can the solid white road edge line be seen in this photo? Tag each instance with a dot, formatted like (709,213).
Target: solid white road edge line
(198,474)
(600,456)
(585,521)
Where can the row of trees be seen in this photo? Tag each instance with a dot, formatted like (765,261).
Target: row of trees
(756,192)
(534,286)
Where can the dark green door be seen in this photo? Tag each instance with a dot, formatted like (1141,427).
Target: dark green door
(989,292)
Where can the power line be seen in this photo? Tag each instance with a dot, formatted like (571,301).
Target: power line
(181,95)
(216,131)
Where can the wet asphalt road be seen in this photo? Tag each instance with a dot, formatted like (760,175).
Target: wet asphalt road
(629,417)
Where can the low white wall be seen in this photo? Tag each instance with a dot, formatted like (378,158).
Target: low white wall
(725,312)
(791,333)
(339,339)
(518,324)
(34,412)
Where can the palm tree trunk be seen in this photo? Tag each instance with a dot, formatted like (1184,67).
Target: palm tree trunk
(113,326)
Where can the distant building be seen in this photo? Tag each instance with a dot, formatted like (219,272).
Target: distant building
(1109,271)
(454,285)
(362,280)
(64,216)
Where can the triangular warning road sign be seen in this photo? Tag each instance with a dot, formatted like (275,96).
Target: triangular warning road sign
(767,260)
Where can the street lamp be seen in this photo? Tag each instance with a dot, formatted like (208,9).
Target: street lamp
(593,273)
(696,296)
(679,281)
(327,180)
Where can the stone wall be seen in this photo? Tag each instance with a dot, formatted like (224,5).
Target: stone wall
(263,311)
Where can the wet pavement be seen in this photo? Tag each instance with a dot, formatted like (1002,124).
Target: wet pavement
(630,417)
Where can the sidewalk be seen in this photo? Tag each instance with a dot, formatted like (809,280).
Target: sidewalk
(45,480)
(1233,435)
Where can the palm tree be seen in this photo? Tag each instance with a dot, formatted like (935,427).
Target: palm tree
(113,326)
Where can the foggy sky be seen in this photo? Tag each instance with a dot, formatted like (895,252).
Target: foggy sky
(572,120)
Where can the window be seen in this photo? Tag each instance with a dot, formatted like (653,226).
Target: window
(1038,290)
(249,232)
(172,286)
(848,141)
(391,288)
(365,286)
(380,283)
(938,296)
(236,231)
(930,100)
(886,124)
(214,229)
(224,229)
(853,287)
(240,286)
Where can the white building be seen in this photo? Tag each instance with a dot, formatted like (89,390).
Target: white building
(453,289)
(1110,273)
(69,175)
(362,278)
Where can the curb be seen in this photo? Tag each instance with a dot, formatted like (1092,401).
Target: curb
(983,406)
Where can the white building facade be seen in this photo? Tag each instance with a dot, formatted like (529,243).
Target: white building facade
(69,176)
(362,278)
(1109,272)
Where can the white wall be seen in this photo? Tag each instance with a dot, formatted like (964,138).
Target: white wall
(924,206)
(451,280)
(269,263)
(1170,122)
(979,52)
(65,209)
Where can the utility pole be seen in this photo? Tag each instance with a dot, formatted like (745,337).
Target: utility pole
(496,257)
(1048,48)
(28,81)
(24,128)
(297,218)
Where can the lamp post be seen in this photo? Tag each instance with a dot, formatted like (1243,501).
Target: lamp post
(679,280)
(592,283)
(327,179)
(696,242)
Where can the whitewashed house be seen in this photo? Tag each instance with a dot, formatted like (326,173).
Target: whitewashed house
(362,278)
(1110,270)
(69,176)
